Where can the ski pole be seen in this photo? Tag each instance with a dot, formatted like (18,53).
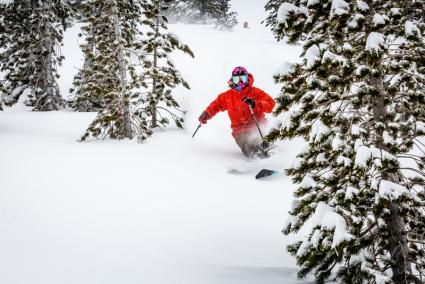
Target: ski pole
(199,126)
(256,121)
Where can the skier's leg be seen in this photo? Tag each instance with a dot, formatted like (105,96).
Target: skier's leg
(250,145)
(257,149)
(242,140)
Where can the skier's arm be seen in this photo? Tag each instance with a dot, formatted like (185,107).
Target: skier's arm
(219,104)
(265,102)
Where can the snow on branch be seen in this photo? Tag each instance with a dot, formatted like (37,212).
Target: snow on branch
(318,130)
(312,55)
(411,29)
(391,190)
(334,58)
(308,182)
(311,3)
(326,217)
(339,7)
(285,69)
(364,153)
(375,41)
(420,126)
(378,20)
(286,9)
(362,6)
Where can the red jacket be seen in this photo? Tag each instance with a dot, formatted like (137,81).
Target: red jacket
(238,110)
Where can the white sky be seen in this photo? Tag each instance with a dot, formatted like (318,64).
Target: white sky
(251,11)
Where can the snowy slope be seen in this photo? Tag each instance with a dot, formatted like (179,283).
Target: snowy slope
(162,212)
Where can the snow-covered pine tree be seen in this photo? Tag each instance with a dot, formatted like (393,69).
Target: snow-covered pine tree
(358,98)
(202,7)
(128,76)
(272,7)
(160,76)
(2,38)
(216,12)
(87,96)
(103,84)
(220,11)
(32,33)
(203,12)
(76,6)
(183,11)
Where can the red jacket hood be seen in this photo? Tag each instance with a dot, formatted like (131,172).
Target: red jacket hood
(250,80)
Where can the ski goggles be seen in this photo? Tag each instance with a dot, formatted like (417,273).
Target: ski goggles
(237,79)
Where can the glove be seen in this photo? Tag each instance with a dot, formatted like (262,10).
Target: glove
(250,102)
(204,117)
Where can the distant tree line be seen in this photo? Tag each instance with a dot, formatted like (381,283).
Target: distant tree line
(215,12)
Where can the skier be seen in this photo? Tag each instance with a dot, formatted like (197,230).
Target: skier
(236,101)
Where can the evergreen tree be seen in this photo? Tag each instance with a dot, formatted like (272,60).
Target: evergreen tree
(202,7)
(183,11)
(103,83)
(272,7)
(87,96)
(160,76)
(76,6)
(358,99)
(203,12)
(127,76)
(31,35)
(2,38)
(220,11)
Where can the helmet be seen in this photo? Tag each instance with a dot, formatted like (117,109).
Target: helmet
(239,84)
(239,71)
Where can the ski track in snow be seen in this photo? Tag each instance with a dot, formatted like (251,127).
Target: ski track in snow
(166,211)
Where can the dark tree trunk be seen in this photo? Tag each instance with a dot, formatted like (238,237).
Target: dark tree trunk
(125,102)
(155,65)
(48,99)
(397,242)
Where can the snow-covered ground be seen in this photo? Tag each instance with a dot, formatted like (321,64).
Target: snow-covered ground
(165,211)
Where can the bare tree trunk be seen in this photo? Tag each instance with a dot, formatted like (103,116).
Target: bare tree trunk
(125,103)
(155,65)
(397,242)
(49,99)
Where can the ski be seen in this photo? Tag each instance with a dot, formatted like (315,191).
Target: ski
(243,169)
(266,173)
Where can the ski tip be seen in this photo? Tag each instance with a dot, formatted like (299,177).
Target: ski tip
(233,171)
(266,173)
